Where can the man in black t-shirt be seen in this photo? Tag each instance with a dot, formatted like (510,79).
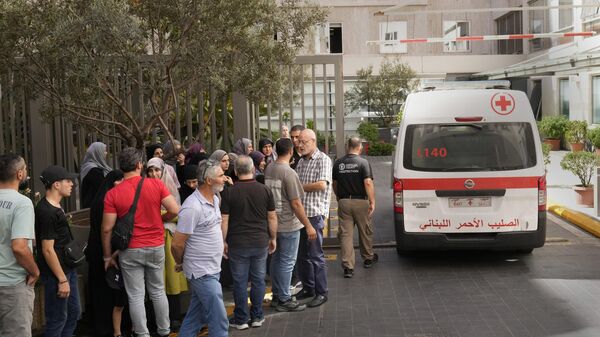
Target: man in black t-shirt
(52,234)
(249,224)
(294,136)
(353,186)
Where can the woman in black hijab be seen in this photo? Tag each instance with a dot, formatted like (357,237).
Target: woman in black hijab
(105,304)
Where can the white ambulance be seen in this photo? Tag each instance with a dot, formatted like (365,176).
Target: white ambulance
(469,171)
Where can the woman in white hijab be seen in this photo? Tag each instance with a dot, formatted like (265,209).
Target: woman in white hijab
(175,282)
(156,169)
(93,170)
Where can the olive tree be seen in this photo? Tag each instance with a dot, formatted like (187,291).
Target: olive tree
(86,60)
(382,94)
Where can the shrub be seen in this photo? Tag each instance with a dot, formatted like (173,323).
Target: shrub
(576,131)
(368,131)
(581,164)
(594,137)
(381,149)
(553,126)
(546,151)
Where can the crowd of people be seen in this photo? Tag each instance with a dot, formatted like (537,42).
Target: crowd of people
(200,221)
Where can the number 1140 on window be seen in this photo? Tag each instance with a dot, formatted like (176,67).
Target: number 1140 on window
(432,152)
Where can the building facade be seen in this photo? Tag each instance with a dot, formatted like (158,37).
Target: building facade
(560,74)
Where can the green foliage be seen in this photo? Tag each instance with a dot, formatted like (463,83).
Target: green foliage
(87,59)
(553,126)
(381,149)
(594,137)
(368,131)
(576,132)
(383,94)
(546,152)
(310,124)
(582,164)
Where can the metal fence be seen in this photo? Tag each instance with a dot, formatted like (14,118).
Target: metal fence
(203,114)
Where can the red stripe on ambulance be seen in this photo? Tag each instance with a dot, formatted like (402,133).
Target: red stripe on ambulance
(459,183)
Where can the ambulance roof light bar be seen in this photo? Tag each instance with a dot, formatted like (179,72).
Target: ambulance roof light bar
(429,85)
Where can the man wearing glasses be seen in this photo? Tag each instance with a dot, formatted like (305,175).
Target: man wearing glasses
(314,170)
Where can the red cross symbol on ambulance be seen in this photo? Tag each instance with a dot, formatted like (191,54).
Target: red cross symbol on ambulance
(503,103)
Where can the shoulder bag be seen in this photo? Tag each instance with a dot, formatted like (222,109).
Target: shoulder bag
(123,229)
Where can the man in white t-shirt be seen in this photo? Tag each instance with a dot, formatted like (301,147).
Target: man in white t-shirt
(198,248)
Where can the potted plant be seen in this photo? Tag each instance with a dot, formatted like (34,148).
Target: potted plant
(576,135)
(582,164)
(553,129)
(593,136)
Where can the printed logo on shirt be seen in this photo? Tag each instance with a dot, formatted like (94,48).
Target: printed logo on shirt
(348,168)
(6,204)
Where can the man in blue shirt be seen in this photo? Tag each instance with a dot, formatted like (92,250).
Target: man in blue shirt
(198,248)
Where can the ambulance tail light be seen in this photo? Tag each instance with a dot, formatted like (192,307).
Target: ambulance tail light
(468,119)
(542,196)
(398,197)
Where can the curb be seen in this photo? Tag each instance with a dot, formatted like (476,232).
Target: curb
(579,219)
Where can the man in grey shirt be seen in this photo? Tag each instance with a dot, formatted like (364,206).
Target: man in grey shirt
(287,192)
(198,248)
(18,270)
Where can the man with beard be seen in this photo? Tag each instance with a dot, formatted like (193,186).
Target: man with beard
(18,271)
(198,248)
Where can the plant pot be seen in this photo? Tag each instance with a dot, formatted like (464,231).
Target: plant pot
(585,195)
(576,147)
(553,142)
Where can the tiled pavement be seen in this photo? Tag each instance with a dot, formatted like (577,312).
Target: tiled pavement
(553,292)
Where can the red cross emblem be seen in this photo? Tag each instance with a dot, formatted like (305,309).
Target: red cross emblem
(503,103)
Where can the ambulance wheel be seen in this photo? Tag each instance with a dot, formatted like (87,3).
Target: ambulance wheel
(525,251)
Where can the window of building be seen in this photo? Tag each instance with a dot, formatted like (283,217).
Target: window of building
(564,96)
(538,24)
(392,31)
(590,12)
(596,99)
(328,38)
(508,24)
(335,38)
(454,29)
(565,16)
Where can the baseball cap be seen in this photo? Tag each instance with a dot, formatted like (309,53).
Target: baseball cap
(54,173)
(114,279)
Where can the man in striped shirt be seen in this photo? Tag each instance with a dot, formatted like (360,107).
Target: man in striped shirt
(314,170)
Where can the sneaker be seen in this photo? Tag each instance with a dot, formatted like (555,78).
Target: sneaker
(291,305)
(274,302)
(238,326)
(371,262)
(317,301)
(348,273)
(257,322)
(305,295)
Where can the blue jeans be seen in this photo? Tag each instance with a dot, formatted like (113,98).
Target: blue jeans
(282,264)
(312,268)
(246,262)
(61,313)
(206,306)
(143,269)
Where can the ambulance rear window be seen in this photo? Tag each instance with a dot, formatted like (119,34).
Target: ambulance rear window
(469,147)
